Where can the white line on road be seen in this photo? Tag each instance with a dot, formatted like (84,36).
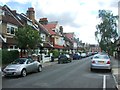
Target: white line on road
(104,82)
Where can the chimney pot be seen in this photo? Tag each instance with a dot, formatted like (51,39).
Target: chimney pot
(14,11)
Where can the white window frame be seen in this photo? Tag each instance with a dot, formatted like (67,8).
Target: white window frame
(10,26)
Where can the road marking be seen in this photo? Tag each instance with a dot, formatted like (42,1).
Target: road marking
(116,83)
(104,82)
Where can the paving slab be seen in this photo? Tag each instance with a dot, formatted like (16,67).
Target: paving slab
(116,75)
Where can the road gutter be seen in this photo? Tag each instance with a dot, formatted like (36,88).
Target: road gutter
(104,82)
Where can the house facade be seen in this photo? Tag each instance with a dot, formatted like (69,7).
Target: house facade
(51,33)
(56,37)
(9,23)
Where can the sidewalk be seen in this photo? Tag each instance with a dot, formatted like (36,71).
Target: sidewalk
(50,63)
(116,73)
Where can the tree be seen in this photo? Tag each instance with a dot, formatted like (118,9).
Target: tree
(27,38)
(106,32)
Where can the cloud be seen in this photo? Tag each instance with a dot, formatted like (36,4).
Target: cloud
(79,16)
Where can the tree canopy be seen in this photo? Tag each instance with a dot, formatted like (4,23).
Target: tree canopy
(27,37)
(106,32)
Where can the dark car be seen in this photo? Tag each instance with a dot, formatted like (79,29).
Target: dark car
(76,56)
(64,58)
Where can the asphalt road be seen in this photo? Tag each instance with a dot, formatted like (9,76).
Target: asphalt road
(76,74)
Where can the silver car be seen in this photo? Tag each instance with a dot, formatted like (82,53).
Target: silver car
(22,66)
(100,61)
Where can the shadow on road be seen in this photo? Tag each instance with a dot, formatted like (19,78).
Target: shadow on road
(101,71)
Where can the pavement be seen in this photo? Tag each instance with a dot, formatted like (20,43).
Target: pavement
(50,63)
(116,73)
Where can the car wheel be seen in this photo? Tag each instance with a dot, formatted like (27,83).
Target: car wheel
(39,68)
(109,70)
(23,73)
(91,69)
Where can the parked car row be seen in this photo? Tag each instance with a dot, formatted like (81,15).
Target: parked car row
(77,56)
(64,58)
(23,66)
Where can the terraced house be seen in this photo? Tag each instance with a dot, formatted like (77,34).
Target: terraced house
(51,33)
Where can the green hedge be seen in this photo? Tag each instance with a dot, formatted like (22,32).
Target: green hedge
(9,56)
(55,53)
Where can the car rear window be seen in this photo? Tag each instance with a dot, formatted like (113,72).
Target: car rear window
(101,57)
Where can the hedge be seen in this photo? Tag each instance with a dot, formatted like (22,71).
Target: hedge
(9,56)
(55,53)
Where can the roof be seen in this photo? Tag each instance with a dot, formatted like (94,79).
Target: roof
(50,28)
(58,47)
(10,17)
(42,28)
(70,36)
(47,45)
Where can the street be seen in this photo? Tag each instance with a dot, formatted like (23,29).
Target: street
(76,74)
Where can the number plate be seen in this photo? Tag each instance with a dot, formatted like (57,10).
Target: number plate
(101,62)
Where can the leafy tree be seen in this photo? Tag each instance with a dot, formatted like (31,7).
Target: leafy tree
(27,38)
(106,32)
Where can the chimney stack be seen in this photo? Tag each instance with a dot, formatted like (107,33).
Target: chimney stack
(31,14)
(14,11)
(43,21)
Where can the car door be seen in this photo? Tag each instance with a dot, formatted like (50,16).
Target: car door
(29,65)
(33,64)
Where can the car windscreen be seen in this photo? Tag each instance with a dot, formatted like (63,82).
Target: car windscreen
(19,61)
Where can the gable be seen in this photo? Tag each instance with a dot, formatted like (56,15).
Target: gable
(9,17)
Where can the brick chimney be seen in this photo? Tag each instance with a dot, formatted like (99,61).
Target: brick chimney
(31,14)
(43,21)
(14,12)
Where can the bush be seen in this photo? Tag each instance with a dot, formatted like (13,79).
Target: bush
(9,56)
(55,53)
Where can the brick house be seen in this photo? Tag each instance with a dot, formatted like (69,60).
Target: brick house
(56,36)
(9,23)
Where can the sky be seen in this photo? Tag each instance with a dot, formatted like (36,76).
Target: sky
(78,16)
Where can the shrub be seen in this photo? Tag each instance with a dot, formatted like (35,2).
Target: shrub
(9,56)
(55,53)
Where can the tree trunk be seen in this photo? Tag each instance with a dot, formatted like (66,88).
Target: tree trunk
(21,52)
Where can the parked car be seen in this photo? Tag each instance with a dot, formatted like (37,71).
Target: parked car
(64,58)
(76,56)
(22,66)
(101,61)
(83,55)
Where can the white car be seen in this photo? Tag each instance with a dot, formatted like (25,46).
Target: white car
(100,61)
(83,55)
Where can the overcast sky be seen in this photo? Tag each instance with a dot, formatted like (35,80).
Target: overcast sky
(78,16)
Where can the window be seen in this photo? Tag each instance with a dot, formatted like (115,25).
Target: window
(11,47)
(11,29)
(16,47)
(8,30)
